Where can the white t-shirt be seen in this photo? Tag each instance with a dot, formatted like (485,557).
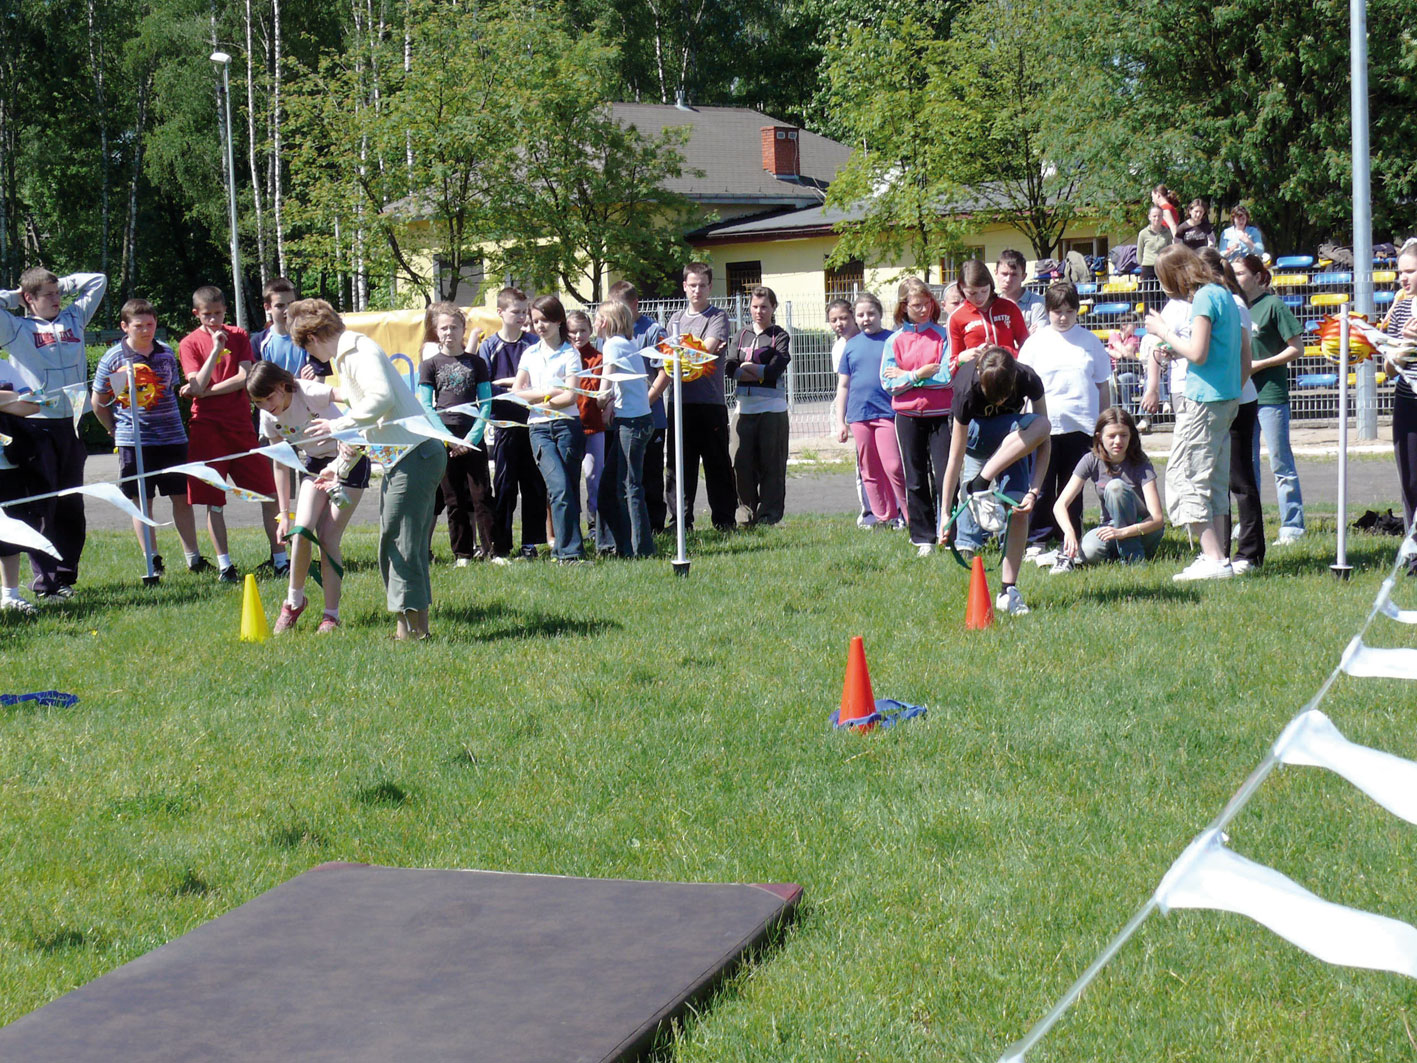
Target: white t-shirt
(1248,393)
(548,370)
(631,396)
(1177,315)
(1071,364)
(311,399)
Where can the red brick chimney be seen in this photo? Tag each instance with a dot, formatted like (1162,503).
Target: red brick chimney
(782,153)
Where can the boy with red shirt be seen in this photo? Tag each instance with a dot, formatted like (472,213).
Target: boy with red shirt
(214,359)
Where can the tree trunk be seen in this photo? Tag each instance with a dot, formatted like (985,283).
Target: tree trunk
(276,196)
(130,231)
(251,149)
(101,108)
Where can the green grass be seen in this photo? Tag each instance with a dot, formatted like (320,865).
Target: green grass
(611,720)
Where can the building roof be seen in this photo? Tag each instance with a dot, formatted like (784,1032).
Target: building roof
(725,143)
(776,225)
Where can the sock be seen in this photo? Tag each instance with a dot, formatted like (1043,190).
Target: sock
(13,593)
(192,558)
(978,484)
(280,557)
(223,561)
(295,597)
(333,614)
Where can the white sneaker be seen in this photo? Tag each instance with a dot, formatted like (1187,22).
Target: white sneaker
(462,562)
(924,550)
(1204,568)
(898,524)
(1063,564)
(1407,550)
(1143,425)
(988,512)
(1239,566)
(1289,535)
(23,606)
(868,521)
(1011,602)
(1032,552)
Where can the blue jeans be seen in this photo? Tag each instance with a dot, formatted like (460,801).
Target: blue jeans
(1274,426)
(985,435)
(558,447)
(1124,507)
(624,509)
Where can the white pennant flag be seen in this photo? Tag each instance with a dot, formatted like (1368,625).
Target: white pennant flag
(1385,606)
(18,533)
(421,426)
(1311,739)
(201,471)
(1208,875)
(284,454)
(1375,663)
(78,396)
(114,496)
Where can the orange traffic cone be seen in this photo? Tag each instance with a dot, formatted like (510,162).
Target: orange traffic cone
(857,700)
(979,613)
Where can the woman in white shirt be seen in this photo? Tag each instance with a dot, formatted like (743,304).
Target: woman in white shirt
(557,438)
(378,399)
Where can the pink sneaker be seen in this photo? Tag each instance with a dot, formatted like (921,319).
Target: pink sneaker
(328,624)
(289,614)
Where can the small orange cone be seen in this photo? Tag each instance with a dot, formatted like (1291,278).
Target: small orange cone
(253,617)
(979,614)
(857,700)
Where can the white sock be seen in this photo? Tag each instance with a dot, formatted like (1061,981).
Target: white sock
(280,557)
(13,593)
(296,598)
(223,560)
(333,614)
(192,558)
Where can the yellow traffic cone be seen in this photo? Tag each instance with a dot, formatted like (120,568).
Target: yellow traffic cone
(253,617)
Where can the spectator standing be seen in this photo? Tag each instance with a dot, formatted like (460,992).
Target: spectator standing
(1009,274)
(1151,241)
(646,334)
(1196,231)
(1240,237)
(758,359)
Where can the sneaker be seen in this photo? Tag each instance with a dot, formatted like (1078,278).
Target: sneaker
(1408,550)
(1011,602)
(328,624)
(230,574)
(866,520)
(528,553)
(158,567)
(924,549)
(1239,566)
(498,559)
(1062,564)
(289,614)
(1033,551)
(1288,536)
(988,511)
(200,565)
(58,594)
(1204,568)
(21,606)
(1166,408)
(268,569)
(462,562)
(899,524)
(1143,425)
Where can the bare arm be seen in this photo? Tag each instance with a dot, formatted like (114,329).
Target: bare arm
(843,383)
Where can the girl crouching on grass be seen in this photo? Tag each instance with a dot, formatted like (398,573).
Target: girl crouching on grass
(287,406)
(995,441)
(1132,518)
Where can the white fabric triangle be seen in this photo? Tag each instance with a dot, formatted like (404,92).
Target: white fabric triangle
(1208,875)
(114,496)
(1378,663)
(17,533)
(1311,739)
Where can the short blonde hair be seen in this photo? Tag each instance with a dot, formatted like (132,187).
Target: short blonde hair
(313,319)
(616,317)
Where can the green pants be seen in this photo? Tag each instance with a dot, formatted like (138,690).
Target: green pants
(406,497)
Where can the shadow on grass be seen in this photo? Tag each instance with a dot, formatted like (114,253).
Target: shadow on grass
(1111,595)
(492,623)
(728,987)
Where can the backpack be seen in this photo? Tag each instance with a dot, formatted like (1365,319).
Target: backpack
(1076,269)
(1124,258)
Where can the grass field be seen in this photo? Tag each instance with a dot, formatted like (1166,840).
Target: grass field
(611,720)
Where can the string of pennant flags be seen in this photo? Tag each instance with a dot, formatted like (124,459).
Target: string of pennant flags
(1209,874)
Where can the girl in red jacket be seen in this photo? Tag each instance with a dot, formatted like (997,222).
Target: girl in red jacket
(985,318)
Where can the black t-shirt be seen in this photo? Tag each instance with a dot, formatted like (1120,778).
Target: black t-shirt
(454,382)
(969,401)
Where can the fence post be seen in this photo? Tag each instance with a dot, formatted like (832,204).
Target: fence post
(792,364)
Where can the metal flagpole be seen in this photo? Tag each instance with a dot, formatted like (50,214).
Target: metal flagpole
(1340,567)
(149,537)
(681,560)
(1367,405)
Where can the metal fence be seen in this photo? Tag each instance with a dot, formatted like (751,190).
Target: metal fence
(1312,290)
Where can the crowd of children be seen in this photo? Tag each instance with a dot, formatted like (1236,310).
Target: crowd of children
(972,416)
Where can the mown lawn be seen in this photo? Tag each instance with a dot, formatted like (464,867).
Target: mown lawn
(611,720)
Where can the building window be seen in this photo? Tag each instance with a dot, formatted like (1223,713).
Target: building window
(1085,245)
(743,277)
(846,280)
(950,267)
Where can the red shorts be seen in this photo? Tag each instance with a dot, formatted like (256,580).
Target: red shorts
(253,472)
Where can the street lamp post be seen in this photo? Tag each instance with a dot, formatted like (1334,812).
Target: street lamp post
(224,60)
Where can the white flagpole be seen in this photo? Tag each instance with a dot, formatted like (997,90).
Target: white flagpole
(681,560)
(151,578)
(1340,567)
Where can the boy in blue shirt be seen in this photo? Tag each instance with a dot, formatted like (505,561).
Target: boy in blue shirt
(158,434)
